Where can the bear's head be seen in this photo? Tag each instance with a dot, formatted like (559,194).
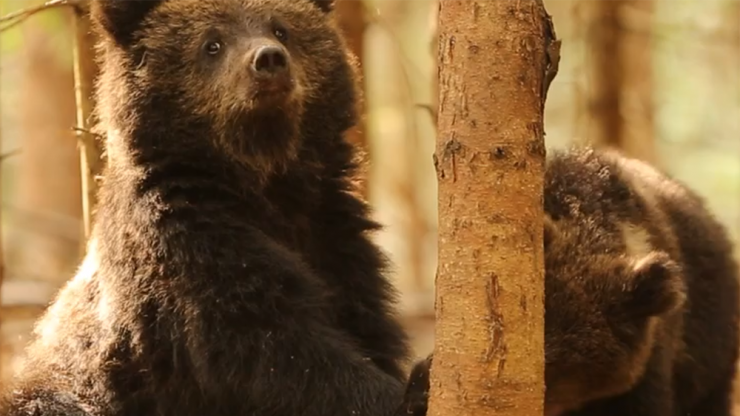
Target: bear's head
(250,79)
(602,311)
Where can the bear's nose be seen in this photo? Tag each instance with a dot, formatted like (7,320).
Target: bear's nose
(270,60)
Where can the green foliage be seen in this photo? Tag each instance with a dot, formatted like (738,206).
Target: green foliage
(53,23)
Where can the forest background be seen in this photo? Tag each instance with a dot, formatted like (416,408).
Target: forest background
(659,79)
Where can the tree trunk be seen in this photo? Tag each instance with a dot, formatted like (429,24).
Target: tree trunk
(489,335)
(620,99)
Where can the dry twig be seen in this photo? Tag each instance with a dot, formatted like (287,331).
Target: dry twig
(84,130)
(85,71)
(12,19)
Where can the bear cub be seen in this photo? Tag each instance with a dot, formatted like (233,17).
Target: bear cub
(641,295)
(229,271)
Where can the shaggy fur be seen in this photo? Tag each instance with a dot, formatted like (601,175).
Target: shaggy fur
(229,271)
(641,295)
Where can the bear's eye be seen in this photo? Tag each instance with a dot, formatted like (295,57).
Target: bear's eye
(213,47)
(281,33)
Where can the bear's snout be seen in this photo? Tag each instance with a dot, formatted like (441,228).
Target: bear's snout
(269,68)
(270,61)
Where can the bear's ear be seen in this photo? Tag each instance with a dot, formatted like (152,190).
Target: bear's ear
(656,286)
(120,18)
(325,5)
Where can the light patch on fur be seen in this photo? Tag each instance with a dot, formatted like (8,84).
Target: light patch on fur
(643,353)
(48,326)
(105,311)
(89,265)
(116,150)
(636,240)
(648,177)
(652,186)
(630,371)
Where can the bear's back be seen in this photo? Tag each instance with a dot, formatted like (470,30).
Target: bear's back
(625,204)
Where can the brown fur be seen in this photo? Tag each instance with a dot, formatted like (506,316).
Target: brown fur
(229,271)
(641,295)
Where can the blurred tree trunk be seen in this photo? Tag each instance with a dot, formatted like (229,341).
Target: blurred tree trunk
(620,95)
(44,236)
(48,176)
(434,46)
(351,16)
(403,181)
(489,340)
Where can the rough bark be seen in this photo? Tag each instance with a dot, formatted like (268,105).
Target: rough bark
(620,100)
(489,335)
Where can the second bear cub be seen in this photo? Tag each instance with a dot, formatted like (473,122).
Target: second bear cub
(641,295)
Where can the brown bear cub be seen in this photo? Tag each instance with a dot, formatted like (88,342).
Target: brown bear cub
(641,295)
(230,271)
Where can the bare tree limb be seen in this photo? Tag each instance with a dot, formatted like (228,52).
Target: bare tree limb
(11,153)
(430,109)
(12,19)
(85,71)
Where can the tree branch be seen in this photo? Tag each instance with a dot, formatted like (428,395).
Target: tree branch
(9,154)
(12,19)
(429,109)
